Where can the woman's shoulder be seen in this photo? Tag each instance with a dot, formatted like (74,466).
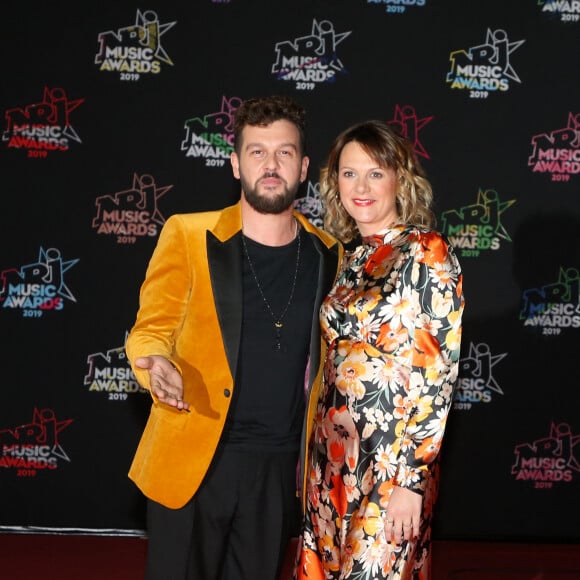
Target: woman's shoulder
(423,235)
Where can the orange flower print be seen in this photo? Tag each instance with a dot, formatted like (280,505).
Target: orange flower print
(338,495)
(330,553)
(427,349)
(428,450)
(398,308)
(309,566)
(391,337)
(364,302)
(388,559)
(354,544)
(401,406)
(434,249)
(375,265)
(429,324)
(351,487)
(349,378)
(314,480)
(442,276)
(371,519)
(342,439)
(385,491)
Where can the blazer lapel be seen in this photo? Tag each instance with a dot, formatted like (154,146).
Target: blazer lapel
(224,254)
(328,260)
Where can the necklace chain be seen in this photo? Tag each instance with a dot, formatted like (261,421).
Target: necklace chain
(277,320)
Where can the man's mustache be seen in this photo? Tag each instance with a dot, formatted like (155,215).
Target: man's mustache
(270,174)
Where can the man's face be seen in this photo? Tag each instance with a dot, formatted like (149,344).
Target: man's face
(270,166)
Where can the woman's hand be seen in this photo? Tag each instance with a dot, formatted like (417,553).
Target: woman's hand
(403,515)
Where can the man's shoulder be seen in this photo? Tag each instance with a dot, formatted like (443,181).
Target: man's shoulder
(200,220)
(327,239)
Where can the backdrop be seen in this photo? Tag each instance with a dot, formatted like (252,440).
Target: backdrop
(116,115)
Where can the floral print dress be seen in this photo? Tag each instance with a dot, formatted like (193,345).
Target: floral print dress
(393,327)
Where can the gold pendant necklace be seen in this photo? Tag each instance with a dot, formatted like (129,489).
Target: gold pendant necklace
(277,320)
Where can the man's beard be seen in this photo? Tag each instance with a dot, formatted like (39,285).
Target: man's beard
(265,204)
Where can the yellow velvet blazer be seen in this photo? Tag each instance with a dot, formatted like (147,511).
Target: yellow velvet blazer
(190,312)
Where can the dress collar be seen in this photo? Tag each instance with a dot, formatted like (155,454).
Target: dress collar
(384,236)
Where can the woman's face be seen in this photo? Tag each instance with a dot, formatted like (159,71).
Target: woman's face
(367,190)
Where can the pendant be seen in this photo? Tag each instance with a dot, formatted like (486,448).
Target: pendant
(278,324)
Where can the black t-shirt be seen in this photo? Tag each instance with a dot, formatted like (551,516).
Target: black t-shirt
(268,406)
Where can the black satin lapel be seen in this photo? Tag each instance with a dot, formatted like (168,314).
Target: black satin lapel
(225,270)
(328,270)
(328,264)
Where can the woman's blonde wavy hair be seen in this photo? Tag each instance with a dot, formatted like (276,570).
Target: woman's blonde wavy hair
(382,143)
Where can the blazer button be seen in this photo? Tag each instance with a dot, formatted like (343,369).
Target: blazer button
(227,392)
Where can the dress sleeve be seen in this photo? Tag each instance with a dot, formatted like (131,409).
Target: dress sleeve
(433,282)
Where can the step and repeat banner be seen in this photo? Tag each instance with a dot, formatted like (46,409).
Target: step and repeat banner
(116,115)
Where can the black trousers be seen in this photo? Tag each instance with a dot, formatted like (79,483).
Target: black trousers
(237,526)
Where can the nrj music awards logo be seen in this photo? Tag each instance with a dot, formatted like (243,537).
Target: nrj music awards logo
(568,10)
(548,460)
(42,127)
(110,373)
(476,383)
(398,6)
(34,447)
(555,306)
(476,228)
(38,287)
(312,59)
(310,205)
(558,153)
(131,213)
(136,49)
(211,137)
(409,124)
(485,68)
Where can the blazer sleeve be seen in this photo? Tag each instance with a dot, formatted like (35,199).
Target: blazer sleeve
(163,299)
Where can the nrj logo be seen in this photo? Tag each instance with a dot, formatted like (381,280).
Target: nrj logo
(35,446)
(310,206)
(408,124)
(38,287)
(110,373)
(398,6)
(312,59)
(549,459)
(131,213)
(554,306)
(134,50)
(569,10)
(484,68)
(42,127)
(212,137)
(558,153)
(477,227)
(476,383)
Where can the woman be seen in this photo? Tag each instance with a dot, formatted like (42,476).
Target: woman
(392,323)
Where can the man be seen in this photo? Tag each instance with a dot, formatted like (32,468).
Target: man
(227,326)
